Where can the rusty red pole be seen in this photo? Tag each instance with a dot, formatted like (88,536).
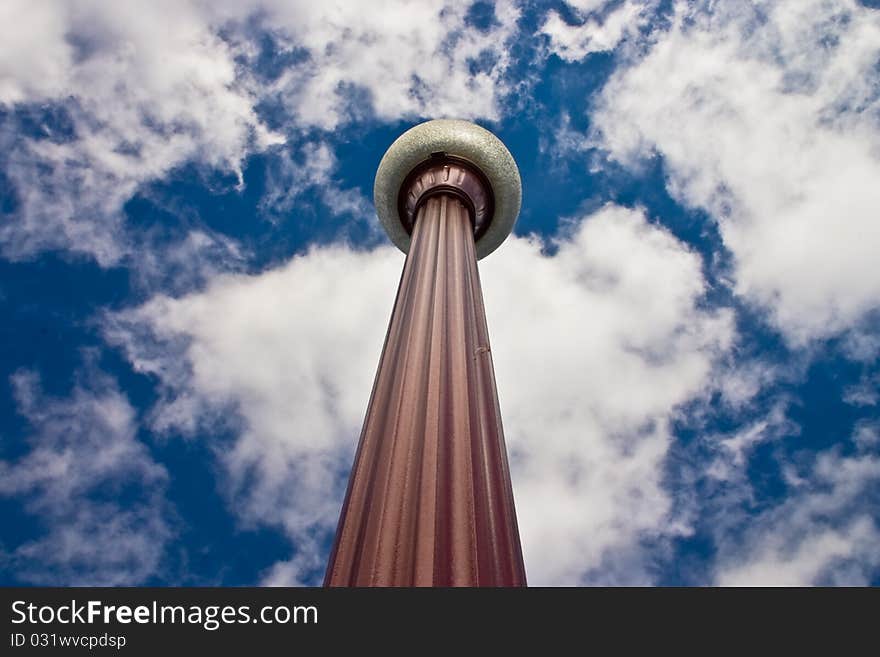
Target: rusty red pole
(429,501)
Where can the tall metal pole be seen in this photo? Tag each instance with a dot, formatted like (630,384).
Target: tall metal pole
(429,501)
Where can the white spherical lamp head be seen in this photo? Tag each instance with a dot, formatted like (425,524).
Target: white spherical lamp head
(462,141)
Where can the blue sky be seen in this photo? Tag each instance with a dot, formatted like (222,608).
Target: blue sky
(195,288)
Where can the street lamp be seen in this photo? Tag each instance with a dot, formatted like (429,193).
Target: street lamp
(429,500)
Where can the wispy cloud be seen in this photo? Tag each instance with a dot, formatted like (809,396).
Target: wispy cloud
(596,33)
(766,118)
(142,95)
(823,533)
(92,486)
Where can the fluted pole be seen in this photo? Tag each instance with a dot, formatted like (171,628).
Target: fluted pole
(429,500)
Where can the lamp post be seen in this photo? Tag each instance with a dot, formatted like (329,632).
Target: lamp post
(429,500)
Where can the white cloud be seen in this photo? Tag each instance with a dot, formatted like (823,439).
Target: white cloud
(588,6)
(740,380)
(289,175)
(596,34)
(767,118)
(296,571)
(412,59)
(286,359)
(824,532)
(186,263)
(866,434)
(41,74)
(732,451)
(145,94)
(862,343)
(865,392)
(820,531)
(594,346)
(84,456)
